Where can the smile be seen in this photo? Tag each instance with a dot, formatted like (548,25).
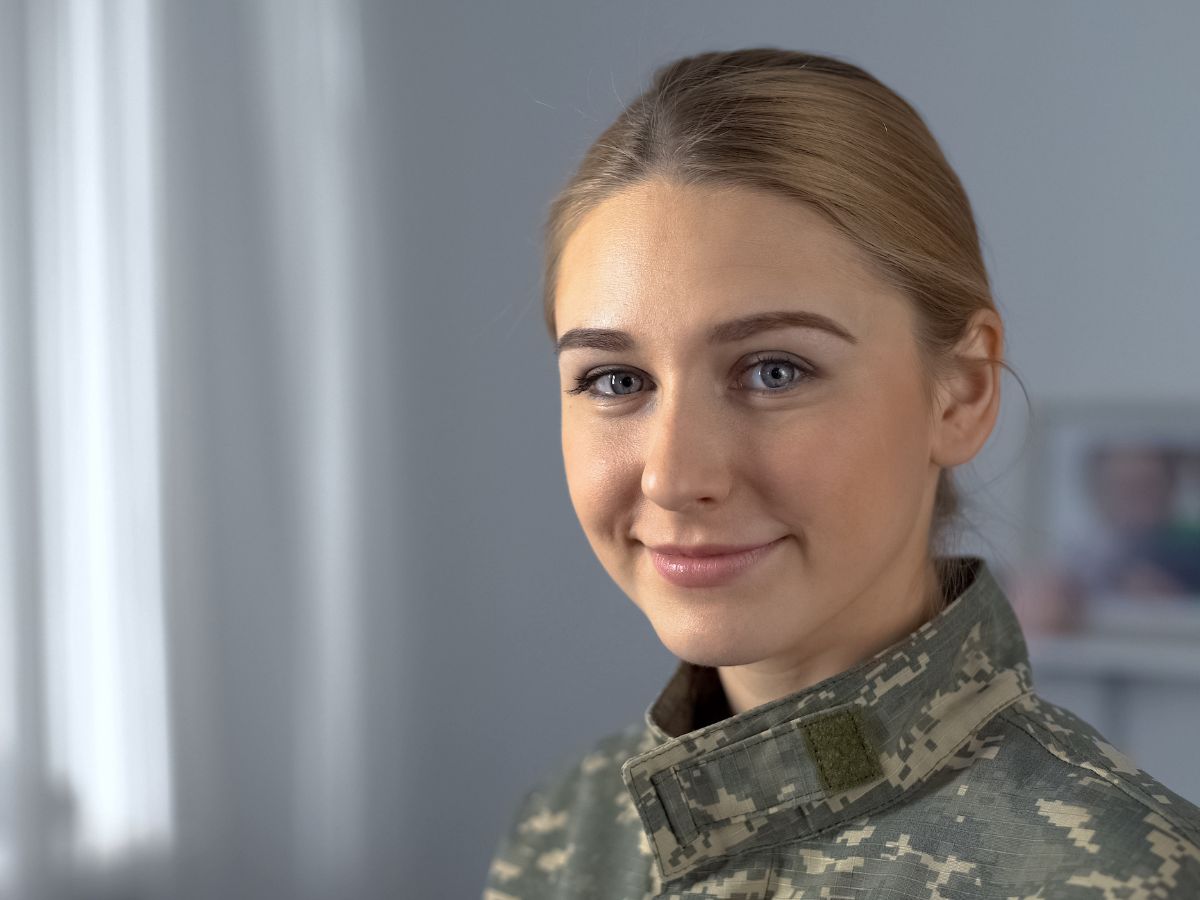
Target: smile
(709,571)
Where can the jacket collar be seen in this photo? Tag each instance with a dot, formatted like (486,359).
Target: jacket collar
(833,751)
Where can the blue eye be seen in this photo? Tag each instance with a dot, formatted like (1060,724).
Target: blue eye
(775,369)
(773,366)
(619,379)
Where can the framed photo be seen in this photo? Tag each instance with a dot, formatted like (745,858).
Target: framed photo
(1114,514)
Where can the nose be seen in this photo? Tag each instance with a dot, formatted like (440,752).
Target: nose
(685,459)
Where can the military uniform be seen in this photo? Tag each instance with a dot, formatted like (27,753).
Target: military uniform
(930,770)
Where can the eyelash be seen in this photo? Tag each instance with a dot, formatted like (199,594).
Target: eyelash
(583,383)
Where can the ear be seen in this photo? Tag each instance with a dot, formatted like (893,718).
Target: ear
(968,402)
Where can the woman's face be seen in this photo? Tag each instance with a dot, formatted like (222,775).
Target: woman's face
(817,439)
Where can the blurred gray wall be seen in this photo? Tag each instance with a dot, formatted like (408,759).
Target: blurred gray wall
(493,642)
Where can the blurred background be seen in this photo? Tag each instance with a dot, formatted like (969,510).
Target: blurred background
(293,602)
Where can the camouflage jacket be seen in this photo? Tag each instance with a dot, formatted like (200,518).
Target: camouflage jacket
(930,770)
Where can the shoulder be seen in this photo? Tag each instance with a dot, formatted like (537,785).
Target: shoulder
(1110,821)
(1078,744)
(578,805)
(1038,803)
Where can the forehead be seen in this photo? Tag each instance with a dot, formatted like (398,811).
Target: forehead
(663,253)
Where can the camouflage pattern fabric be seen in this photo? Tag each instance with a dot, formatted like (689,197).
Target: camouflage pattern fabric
(931,770)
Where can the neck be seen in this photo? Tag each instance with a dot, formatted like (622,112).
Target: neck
(871,622)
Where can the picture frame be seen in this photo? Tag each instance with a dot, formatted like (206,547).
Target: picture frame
(1113,513)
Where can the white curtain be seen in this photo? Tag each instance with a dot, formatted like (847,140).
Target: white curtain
(122,771)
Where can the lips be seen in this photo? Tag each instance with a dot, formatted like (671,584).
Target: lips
(708,570)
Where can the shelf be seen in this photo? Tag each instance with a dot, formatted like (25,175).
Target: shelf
(1135,657)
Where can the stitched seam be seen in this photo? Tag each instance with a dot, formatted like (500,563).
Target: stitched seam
(745,744)
(1112,777)
(658,857)
(891,801)
(786,804)
(770,810)
(689,829)
(642,804)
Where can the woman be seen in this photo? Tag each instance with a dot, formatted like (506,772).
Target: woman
(776,339)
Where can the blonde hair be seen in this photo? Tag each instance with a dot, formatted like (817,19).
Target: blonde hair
(821,131)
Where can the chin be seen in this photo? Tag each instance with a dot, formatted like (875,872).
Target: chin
(716,648)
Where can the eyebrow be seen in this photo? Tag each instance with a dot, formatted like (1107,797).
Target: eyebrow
(723,332)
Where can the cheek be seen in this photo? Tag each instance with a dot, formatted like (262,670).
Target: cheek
(892,460)
(597,472)
(856,472)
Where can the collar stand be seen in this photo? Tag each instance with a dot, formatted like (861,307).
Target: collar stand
(830,752)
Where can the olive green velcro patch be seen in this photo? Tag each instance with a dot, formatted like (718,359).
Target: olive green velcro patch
(843,756)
